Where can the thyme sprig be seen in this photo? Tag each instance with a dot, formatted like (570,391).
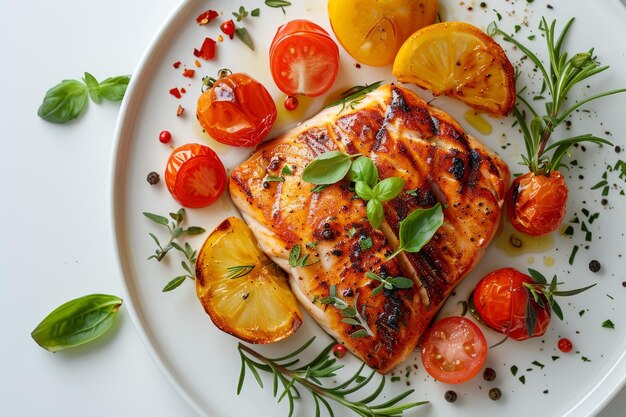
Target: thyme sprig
(310,377)
(353,96)
(298,261)
(351,315)
(176,230)
(388,283)
(560,75)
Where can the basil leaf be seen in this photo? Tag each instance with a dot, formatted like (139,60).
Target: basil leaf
(64,102)
(113,89)
(92,87)
(363,190)
(77,322)
(328,168)
(363,169)
(375,213)
(388,188)
(418,228)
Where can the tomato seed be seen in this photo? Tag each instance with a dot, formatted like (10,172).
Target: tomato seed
(165,136)
(565,345)
(291,103)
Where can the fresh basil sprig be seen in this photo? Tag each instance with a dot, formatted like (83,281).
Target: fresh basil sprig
(388,283)
(68,100)
(385,190)
(77,322)
(418,228)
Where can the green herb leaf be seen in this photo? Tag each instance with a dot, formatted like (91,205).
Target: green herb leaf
(194,230)
(363,169)
(388,188)
(418,228)
(401,282)
(356,93)
(365,243)
(364,191)
(92,87)
(256,12)
(114,88)
(328,168)
(156,218)
(286,170)
(273,178)
(174,283)
(568,293)
(244,36)
(537,276)
(375,213)
(296,261)
(608,324)
(64,102)
(277,3)
(77,322)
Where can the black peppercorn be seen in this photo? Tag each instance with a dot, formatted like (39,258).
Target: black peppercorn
(489,374)
(153,178)
(266,184)
(594,266)
(327,234)
(495,394)
(450,396)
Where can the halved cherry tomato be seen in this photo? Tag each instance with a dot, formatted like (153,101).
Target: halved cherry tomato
(304,60)
(501,301)
(195,176)
(237,110)
(536,203)
(454,350)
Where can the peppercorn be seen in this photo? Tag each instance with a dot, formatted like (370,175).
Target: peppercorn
(153,178)
(266,184)
(489,374)
(327,234)
(450,396)
(495,394)
(483,4)
(594,266)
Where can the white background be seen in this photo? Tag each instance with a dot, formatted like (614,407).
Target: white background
(56,242)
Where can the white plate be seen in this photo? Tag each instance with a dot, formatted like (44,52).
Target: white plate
(203,363)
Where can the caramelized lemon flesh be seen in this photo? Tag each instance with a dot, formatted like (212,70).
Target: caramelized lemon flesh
(459,60)
(372,31)
(241,289)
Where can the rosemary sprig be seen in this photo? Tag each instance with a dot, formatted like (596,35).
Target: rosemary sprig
(238,271)
(353,96)
(310,376)
(388,283)
(176,230)
(560,76)
(351,315)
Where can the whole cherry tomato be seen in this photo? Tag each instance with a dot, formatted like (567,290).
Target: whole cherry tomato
(454,350)
(195,176)
(237,110)
(304,60)
(536,203)
(502,301)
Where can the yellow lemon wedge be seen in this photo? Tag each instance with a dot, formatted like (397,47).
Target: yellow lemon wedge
(372,31)
(459,60)
(241,289)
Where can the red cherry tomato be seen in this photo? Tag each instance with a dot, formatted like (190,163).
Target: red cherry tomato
(454,350)
(236,110)
(536,203)
(195,175)
(339,350)
(304,60)
(501,300)
(565,345)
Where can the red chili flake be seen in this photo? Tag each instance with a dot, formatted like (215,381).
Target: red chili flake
(176,64)
(189,73)
(179,110)
(197,63)
(182,90)
(165,136)
(206,17)
(175,92)
(228,28)
(207,50)
(565,345)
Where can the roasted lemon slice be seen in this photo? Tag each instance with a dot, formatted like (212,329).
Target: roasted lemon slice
(241,289)
(372,31)
(460,60)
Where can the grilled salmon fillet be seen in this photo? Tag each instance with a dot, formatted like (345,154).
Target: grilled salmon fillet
(405,137)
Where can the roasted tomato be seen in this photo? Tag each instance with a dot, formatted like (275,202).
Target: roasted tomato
(502,302)
(372,31)
(536,203)
(304,60)
(236,110)
(454,350)
(195,175)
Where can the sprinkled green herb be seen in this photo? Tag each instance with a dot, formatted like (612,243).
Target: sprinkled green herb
(531,37)
(539,364)
(351,315)
(608,295)
(585,359)
(395,378)
(311,245)
(273,178)
(608,324)
(365,243)
(296,261)
(498,15)
(352,232)
(286,170)
(573,255)
(581,312)
(464,306)
(522,379)
(388,283)
(514,370)
(569,231)
(256,12)
(517,28)
(554,358)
